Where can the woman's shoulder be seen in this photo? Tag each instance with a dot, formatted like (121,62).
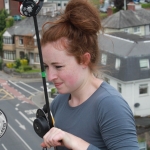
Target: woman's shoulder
(108,98)
(106,90)
(108,95)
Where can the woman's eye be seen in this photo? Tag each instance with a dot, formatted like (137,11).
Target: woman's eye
(45,66)
(58,67)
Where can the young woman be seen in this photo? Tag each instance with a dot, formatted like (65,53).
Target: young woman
(89,114)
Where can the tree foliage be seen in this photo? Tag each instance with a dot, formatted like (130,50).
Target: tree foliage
(95,2)
(5,22)
(9,22)
(119,4)
(3,16)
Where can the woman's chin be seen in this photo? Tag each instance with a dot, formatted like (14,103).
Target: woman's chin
(62,92)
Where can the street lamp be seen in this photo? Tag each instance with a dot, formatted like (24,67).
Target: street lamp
(125,4)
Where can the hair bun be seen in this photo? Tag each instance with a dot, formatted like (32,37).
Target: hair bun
(83,16)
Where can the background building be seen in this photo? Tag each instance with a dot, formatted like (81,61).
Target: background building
(11,6)
(126,60)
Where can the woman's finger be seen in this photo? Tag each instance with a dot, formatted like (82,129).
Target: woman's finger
(44,145)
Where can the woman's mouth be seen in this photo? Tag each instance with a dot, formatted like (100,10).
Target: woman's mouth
(57,85)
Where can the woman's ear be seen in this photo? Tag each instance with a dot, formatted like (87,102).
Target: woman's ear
(86,58)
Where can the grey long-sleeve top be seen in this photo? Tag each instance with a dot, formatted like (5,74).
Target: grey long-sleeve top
(104,120)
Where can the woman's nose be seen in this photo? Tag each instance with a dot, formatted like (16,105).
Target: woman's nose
(51,75)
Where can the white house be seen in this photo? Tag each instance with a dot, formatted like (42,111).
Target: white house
(134,21)
(126,61)
(60,3)
(49,8)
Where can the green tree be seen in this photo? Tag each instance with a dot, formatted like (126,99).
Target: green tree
(119,4)
(9,22)
(95,2)
(1,42)
(4,23)
(3,16)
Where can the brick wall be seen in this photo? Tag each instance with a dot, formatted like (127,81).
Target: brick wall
(2,4)
(14,7)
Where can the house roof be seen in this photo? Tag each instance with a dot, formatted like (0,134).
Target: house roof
(142,124)
(26,26)
(127,18)
(125,45)
(129,50)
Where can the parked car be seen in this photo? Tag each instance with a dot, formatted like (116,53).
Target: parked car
(136,1)
(17,17)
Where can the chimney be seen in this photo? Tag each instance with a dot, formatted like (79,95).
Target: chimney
(109,11)
(131,6)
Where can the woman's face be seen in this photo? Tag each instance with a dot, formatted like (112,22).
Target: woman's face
(62,69)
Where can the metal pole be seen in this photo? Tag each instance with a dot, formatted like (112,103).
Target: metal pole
(43,72)
(125,4)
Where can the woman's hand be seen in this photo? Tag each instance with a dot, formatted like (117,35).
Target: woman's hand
(57,137)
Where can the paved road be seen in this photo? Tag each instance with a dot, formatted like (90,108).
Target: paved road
(20,133)
(16,100)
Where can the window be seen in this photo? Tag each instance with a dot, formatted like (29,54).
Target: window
(143,89)
(143,146)
(126,30)
(119,87)
(21,40)
(104,59)
(144,64)
(35,42)
(37,60)
(22,54)
(118,62)
(58,4)
(107,80)
(136,29)
(9,55)
(65,4)
(7,40)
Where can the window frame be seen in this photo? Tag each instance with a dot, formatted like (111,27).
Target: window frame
(7,40)
(146,62)
(37,58)
(126,30)
(21,40)
(119,87)
(117,63)
(143,86)
(136,29)
(104,59)
(58,4)
(9,55)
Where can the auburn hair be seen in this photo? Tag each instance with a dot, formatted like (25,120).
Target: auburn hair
(79,24)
